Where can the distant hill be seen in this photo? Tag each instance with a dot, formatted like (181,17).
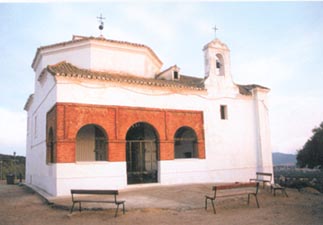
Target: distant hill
(284,159)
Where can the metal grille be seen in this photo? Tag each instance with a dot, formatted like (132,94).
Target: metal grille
(142,154)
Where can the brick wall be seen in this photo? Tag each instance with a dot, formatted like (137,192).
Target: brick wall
(68,118)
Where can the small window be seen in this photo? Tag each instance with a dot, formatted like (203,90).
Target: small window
(224,112)
(175,75)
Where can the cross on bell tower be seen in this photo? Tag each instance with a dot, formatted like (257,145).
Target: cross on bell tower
(215,29)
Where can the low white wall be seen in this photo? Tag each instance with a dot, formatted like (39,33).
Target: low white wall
(180,171)
(90,175)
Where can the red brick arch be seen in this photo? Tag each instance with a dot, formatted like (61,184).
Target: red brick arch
(129,116)
(116,121)
(156,131)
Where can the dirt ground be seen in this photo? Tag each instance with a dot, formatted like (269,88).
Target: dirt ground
(22,206)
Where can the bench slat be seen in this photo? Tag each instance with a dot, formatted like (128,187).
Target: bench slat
(103,201)
(263,174)
(96,192)
(234,185)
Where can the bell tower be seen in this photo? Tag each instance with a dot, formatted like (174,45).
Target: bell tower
(218,79)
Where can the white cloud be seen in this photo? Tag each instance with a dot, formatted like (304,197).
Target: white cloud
(12,131)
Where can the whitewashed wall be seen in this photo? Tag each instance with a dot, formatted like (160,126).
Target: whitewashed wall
(38,173)
(97,175)
(231,149)
(101,56)
(232,146)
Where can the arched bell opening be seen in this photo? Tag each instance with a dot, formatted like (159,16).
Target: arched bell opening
(220,68)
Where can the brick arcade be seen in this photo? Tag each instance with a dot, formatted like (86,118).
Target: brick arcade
(66,119)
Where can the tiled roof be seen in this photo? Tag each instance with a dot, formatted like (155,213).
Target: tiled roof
(246,89)
(191,80)
(94,38)
(185,82)
(68,70)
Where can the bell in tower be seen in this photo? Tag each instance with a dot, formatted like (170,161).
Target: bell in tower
(217,58)
(218,64)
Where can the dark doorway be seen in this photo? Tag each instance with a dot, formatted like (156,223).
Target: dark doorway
(142,154)
(185,143)
(50,147)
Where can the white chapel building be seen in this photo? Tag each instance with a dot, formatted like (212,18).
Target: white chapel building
(104,115)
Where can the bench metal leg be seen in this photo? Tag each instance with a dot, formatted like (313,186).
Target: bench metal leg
(123,208)
(212,201)
(72,208)
(213,206)
(248,198)
(80,207)
(255,198)
(257,201)
(282,190)
(205,203)
(116,214)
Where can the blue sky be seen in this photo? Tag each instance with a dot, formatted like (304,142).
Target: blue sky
(275,44)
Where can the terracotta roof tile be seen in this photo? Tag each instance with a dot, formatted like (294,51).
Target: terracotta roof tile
(69,70)
(186,82)
(191,80)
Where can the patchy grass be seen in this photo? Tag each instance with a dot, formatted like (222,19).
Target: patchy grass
(299,178)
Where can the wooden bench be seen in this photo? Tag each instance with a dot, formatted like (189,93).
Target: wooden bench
(233,189)
(263,178)
(77,198)
(275,187)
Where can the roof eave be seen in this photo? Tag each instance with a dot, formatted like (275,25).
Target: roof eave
(99,39)
(29,102)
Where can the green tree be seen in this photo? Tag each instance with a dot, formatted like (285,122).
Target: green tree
(311,154)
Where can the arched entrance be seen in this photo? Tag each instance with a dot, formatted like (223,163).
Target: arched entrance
(50,147)
(91,143)
(142,154)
